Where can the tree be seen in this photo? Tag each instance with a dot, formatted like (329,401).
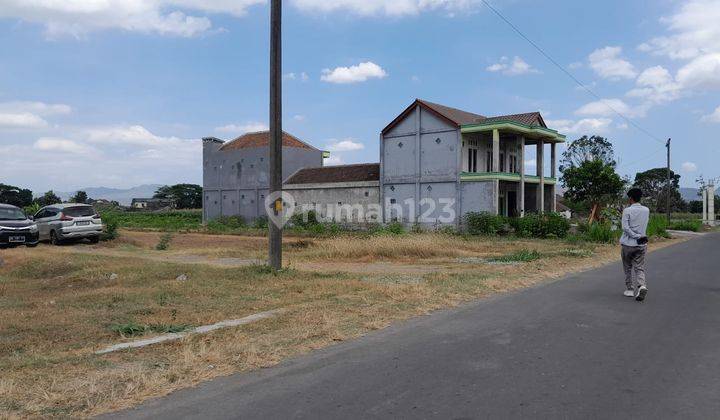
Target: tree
(586,149)
(186,196)
(653,183)
(588,173)
(48,198)
(15,196)
(80,197)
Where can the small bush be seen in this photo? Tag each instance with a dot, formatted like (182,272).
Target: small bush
(691,225)
(305,219)
(601,233)
(111,227)
(226,224)
(261,223)
(483,223)
(657,226)
(132,329)
(395,228)
(548,225)
(164,242)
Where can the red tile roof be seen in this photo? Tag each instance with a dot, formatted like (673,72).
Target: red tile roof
(262,139)
(459,117)
(342,173)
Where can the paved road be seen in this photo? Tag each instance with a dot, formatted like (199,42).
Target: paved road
(571,349)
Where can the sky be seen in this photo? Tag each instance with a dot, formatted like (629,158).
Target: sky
(118,93)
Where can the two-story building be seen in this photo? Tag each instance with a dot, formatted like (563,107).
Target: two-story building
(437,163)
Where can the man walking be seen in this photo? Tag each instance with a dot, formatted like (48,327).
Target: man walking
(634,245)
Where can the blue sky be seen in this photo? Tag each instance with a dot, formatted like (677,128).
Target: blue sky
(118,92)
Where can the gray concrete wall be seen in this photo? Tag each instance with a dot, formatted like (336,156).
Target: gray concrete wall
(478,196)
(341,202)
(421,151)
(235,182)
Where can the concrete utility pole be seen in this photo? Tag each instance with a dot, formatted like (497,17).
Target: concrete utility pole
(275,240)
(711,203)
(669,187)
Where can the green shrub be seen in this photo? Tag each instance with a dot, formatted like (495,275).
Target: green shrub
(484,223)
(111,223)
(164,242)
(261,223)
(305,219)
(166,220)
(395,228)
(657,226)
(692,225)
(602,233)
(548,225)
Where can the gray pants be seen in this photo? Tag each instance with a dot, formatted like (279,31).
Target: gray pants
(633,258)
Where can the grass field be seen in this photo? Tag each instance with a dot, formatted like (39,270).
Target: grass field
(60,304)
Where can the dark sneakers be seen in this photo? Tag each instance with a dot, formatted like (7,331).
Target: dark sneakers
(642,292)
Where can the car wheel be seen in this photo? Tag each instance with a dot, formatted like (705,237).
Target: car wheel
(54,240)
(94,239)
(31,245)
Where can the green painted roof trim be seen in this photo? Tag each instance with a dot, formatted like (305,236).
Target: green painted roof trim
(513,125)
(503,176)
(325,154)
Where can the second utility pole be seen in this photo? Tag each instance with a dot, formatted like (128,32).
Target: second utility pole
(275,240)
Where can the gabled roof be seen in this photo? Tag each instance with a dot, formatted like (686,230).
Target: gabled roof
(262,139)
(458,117)
(533,119)
(342,173)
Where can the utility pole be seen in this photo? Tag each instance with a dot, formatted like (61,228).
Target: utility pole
(275,234)
(669,188)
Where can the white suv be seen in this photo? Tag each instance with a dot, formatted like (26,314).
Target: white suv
(60,222)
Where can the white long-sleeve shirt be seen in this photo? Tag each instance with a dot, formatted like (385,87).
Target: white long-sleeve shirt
(634,224)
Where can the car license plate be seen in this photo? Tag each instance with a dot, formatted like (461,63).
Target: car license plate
(82,223)
(17,239)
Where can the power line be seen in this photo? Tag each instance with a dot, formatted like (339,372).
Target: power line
(570,75)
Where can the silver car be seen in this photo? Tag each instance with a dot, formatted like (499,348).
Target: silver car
(60,222)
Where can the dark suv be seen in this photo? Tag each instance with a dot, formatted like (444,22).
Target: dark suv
(16,228)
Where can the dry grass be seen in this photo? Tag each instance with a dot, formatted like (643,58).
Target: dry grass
(58,305)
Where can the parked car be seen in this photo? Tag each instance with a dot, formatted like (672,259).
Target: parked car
(16,228)
(60,222)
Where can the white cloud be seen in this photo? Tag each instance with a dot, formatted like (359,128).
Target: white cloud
(29,115)
(694,31)
(299,118)
(333,160)
(701,73)
(713,117)
(656,84)
(575,65)
(607,108)
(37,108)
(517,67)
(689,167)
(79,17)
(54,144)
(415,78)
(588,126)
(606,63)
(23,120)
(347,145)
(384,7)
(238,129)
(353,74)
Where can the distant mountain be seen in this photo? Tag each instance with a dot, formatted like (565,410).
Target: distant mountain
(122,196)
(690,194)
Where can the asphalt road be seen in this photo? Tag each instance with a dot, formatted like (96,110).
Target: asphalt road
(575,348)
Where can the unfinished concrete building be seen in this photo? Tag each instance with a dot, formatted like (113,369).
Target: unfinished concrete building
(236,173)
(437,163)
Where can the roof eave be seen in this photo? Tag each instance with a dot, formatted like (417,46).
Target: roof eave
(547,133)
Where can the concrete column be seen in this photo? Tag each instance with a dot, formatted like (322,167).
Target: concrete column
(705,204)
(496,150)
(553,163)
(711,204)
(540,158)
(521,199)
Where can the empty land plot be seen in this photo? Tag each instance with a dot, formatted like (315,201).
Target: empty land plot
(58,305)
